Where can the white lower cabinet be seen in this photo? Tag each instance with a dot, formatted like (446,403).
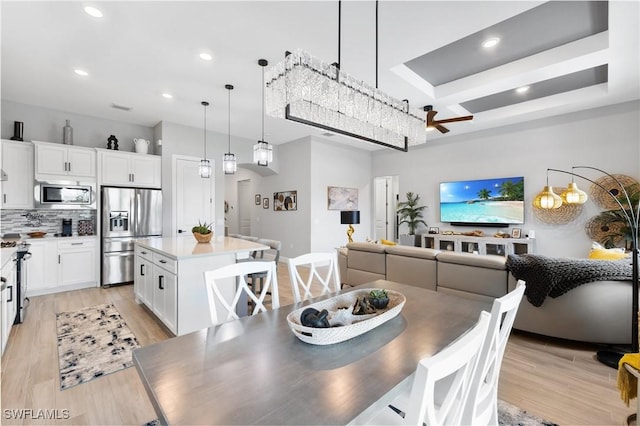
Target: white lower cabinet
(143,281)
(60,264)
(9,303)
(156,285)
(77,262)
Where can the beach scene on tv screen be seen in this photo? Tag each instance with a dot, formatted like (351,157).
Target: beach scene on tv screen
(499,200)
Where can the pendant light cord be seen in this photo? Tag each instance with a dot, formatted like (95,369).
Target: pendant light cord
(229,123)
(376,44)
(263,103)
(205,128)
(339,29)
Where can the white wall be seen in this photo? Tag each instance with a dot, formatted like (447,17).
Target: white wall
(607,138)
(333,164)
(290,227)
(43,124)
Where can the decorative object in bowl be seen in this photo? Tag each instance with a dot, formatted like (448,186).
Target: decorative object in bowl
(37,234)
(379,298)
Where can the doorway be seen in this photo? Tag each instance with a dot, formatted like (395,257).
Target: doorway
(245,199)
(385,226)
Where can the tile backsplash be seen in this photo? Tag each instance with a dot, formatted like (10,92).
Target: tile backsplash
(49,221)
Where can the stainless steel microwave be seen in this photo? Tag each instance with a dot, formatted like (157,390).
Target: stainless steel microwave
(64,195)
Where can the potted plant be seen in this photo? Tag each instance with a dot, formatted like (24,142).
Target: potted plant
(410,212)
(202,232)
(379,298)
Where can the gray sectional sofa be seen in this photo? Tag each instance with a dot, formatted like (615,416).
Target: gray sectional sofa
(598,312)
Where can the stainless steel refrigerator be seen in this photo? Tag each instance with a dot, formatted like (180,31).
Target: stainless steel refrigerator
(127,214)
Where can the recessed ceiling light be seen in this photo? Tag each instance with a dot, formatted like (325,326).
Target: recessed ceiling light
(490,42)
(206,57)
(523,89)
(167,95)
(81,72)
(93,11)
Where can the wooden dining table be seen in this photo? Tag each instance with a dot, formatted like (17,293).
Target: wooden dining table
(254,371)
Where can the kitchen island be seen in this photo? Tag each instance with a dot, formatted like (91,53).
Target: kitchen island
(169,277)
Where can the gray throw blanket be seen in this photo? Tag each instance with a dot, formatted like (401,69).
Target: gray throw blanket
(547,276)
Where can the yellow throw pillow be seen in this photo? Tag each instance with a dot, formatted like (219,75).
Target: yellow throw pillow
(387,242)
(607,254)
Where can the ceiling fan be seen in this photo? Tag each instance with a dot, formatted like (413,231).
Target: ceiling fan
(437,124)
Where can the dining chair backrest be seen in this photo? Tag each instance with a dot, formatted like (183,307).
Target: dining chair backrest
(302,290)
(442,382)
(216,279)
(482,406)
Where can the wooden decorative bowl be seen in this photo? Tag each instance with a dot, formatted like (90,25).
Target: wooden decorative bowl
(203,238)
(38,234)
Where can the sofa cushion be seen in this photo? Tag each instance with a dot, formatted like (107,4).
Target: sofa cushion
(412,270)
(419,252)
(366,257)
(372,247)
(485,261)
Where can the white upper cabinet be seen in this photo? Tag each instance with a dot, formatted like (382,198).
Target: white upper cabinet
(64,162)
(17,168)
(129,169)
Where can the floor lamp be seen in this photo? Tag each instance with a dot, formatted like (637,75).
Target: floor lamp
(350,217)
(547,199)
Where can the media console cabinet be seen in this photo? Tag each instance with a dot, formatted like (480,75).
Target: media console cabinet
(479,245)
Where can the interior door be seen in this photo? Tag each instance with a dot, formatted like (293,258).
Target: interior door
(194,196)
(384,208)
(245,202)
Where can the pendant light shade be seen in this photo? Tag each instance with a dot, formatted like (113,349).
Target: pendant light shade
(205,165)
(573,194)
(262,151)
(547,199)
(229,164)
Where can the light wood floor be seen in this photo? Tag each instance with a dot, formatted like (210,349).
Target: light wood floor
(553,379)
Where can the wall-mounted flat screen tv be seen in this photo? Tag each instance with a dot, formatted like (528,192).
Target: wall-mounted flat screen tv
(486,202)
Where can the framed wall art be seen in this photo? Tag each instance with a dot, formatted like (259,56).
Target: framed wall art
(258,199)
(265,203)
(339,198)
(285,201)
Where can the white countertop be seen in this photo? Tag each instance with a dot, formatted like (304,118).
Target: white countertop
(187,246)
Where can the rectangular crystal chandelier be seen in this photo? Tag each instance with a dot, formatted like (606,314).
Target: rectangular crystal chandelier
(307,90)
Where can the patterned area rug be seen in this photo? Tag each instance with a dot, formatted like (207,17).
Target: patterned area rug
(92,342)
(511,415)
(507,415)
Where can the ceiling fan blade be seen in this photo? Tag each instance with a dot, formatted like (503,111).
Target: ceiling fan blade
(430,115)
(441,128)
(454,119)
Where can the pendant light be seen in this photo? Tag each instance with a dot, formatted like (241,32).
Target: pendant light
(547,199)
(205,165)
(573,194)
(229,164)
(262,151)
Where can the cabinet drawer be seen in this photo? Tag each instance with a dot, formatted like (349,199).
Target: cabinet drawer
(167,263)
(144,252)
(76,243)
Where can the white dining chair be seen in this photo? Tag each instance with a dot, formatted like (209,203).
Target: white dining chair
(218,278)
(302,290)
(482,405)
(440,386)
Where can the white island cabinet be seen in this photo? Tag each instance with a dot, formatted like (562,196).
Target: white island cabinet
(169,277)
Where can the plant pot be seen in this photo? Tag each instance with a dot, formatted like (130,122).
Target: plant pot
(379,303)
(203,238)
